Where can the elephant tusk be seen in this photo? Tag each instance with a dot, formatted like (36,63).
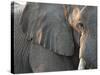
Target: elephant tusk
(82,64)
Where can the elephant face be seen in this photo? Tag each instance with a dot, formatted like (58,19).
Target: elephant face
(84,21)
(45,25)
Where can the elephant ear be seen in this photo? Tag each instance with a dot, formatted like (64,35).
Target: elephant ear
(58,38)
(28,19)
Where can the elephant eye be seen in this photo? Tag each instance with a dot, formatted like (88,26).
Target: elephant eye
(80,26)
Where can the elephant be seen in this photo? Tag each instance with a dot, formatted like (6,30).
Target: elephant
(49,30)
(43,40)
(84,21)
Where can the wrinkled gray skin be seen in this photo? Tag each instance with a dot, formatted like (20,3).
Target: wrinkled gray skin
(86,25)
(44,60)
(56,50)
(21,45)
(48,19)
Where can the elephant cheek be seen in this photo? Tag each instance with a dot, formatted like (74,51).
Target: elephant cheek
(88,51)
(91,53)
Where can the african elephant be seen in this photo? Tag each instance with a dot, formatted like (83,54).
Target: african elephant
(43,40)
(84,21)
(45,25)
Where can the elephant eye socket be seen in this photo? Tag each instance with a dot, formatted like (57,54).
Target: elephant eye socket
(80,26)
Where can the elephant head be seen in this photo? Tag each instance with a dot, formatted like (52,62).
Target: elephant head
(84,21)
